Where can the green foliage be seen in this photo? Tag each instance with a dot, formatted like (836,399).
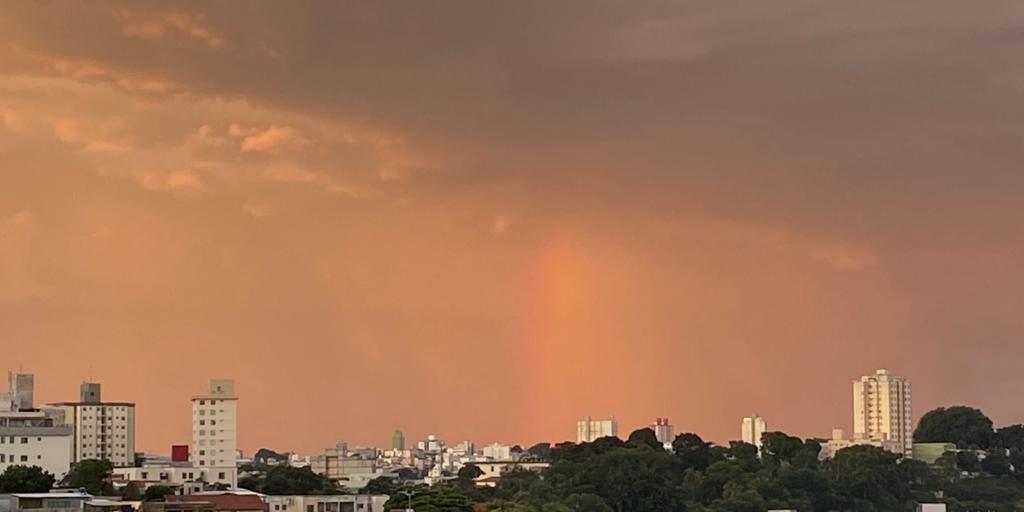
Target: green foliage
(692,452)
(430,499)
(157,493)
(92,475)
(131,492)
(265,455)
(20,478)
(964,426)
(633,479)
(869,478)
(284,480)
(380,485)
(540,451)
(638,475)
(644,437)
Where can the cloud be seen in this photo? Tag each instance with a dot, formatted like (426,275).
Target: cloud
(257,210)
(844,259)
(177,26)
(274,140)
(181,181)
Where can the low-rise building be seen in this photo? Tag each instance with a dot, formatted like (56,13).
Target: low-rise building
(29,436)
(498,451)
(178,476)
(227,501)
(105,505)
(931,452)
(492,471)
(48,502)
(334,503)
(350,471)
(839,442)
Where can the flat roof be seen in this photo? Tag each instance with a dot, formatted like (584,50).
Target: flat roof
(57,495)
(120,404)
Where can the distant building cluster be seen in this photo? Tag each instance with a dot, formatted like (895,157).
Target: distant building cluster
(57,435)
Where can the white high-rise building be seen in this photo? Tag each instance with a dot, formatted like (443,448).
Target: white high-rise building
(215,425)
(103,430)
(20,392)
(753,428)
(663,431)
(881,409)
(589,430)
(32,437)
(498,451)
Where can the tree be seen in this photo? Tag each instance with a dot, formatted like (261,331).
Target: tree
(644,437)
(540,451)
(157,493)
(1010,437)
(288,480)
(691,451)
(266,455)
(627,479)
(966,427)
(380,485)
(745,454)
(20,478)
(467,476)
(91,475)
(131,492)
(869,478)
(439,498)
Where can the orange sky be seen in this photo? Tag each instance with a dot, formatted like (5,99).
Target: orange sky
(485,221)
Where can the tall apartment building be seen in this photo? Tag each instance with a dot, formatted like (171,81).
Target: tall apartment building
(663,431)
(215,425)
(20,392)
(881,409)
(753,428)
(589,430)
(398,440)
(29,436)
(103,430)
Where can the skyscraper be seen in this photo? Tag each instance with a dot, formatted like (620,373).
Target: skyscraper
(753,428)
(214,425)
(398,440)
(881,409)
(589,430)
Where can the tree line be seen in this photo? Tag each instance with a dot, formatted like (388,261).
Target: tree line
(985,473)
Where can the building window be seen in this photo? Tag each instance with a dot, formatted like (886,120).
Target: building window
(221,476)
(24,440)
(24,458)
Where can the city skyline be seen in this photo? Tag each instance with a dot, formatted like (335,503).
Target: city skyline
(487,221)
(224,389)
